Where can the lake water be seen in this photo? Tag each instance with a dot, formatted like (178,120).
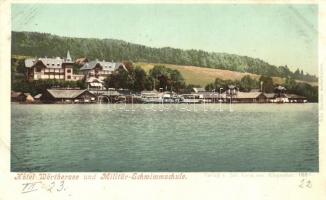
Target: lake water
(187,138)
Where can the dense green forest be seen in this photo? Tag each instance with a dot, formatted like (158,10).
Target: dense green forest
(44,44)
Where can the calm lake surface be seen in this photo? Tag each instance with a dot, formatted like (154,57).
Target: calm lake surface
(188,138)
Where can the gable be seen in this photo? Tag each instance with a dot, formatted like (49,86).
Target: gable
(85,94)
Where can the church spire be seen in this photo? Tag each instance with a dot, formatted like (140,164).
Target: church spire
(68,56)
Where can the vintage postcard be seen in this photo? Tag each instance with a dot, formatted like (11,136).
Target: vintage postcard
(162,97)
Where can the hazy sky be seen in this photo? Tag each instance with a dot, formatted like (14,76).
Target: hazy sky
(278,34)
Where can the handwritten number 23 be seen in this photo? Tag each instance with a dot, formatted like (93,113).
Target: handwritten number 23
(60,188)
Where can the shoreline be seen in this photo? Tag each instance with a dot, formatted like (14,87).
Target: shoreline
(223,103)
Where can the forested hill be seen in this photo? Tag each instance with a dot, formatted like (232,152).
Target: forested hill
(44,44)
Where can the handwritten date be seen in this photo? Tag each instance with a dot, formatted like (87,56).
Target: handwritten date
(39,185)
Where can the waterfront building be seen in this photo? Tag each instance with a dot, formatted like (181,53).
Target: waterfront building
(51,68)
(100,69)
(230,93)
(68,96)
(21,97)
(107,96)
(18,96)
(294,98)
(280,96)
(112,95)
(95,84)
(250,97)
(270,97)
(37,98)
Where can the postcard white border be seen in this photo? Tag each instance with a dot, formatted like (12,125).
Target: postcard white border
(198,185)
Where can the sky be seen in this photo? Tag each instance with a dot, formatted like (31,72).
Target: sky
(277,34)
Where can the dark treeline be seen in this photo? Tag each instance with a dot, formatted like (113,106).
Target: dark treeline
(247,83)
(43,44)
(136,79)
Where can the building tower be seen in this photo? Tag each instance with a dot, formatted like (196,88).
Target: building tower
(68,67)
(68,59)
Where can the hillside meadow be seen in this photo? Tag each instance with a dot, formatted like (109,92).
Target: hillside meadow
(203,76)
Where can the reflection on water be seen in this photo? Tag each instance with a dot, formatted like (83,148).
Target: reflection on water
(254,137)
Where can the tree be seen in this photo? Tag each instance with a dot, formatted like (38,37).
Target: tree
(149,83)
(140,79)
(289,83)
(247,83)
(296,73)
(167,78)
(177,81)
(119,79)
(188,88)
(268,85)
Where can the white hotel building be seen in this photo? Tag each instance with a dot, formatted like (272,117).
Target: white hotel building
(51,68)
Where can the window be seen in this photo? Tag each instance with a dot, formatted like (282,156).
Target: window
(38,69)
(69,71)
(68,77)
